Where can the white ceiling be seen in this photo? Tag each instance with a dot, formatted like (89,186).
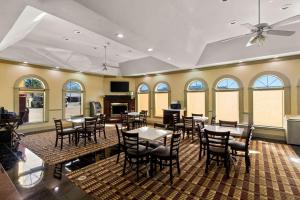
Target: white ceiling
(183,34)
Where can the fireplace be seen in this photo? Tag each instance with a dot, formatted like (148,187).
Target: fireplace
(115,104)
(118,108)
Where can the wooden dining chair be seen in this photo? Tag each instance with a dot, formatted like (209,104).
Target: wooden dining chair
(135,153)
(88,129)
(126,121)
(167,156)
(213,120)
(197,115)
(188,126)
(176,124)
(228,123)
(217,147)
(120,142)
(202,140)
(243,147)
(62,132)
(100,127)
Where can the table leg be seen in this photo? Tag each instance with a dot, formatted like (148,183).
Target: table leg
(165,140)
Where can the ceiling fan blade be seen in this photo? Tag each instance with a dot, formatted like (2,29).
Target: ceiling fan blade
(252,41)
(250,26)
(291,20)
(280,32)
(236,37)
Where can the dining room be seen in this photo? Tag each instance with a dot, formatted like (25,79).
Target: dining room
(149,102)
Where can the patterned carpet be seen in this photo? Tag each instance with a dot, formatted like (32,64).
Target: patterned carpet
(43,144)
(275,174)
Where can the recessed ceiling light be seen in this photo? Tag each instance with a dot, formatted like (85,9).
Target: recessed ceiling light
(77,31)
(232,22)
(240,61)
(25,62)
(56,67)
(275,57)
(95,48)
(169,58)
(285,6)
(120,35)
(66,38)
(150,49)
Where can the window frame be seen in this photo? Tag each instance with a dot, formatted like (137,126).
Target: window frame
(239,90)
(82,92)
(204,89)
(155,92)
(141,92)
(286,90)
(45,90)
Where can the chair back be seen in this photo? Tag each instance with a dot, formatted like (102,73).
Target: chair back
(228,123)
(143,115)
(175,142)
(118,134)
(199,130)
(175,118)
(213,120)
(188,121)
(131,141)
(124,117)
(249,135)
(217,140)
(90,124)
(58,126)
(197,115)
(102,119)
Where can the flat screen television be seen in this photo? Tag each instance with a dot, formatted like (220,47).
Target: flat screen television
(119,86)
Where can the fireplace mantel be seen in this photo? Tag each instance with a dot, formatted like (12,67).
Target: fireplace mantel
(109,99)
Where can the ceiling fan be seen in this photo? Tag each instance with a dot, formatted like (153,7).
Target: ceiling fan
(259,30)
(105,65)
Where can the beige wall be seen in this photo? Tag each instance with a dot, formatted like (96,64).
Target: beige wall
(9,73)
(244,72)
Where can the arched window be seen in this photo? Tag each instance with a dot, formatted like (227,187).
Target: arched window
(268,101)
(195,97)
(30,92)
(161,98)
(73,98)
(143,96)
(227,99)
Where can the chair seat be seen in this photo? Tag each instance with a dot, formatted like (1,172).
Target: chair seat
(143,150)
(68,130)
(217,150)
(236,145)
(100,126)
(163,152)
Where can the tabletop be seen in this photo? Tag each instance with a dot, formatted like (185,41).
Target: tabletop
(237,132)
(199,118)
(133,114)
(149,133)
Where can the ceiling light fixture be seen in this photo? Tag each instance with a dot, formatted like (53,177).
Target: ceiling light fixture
(56,67)
(150,49)
(66,38)
(120,35)
(25,62)
(169,58)
(77,31)
(240,61)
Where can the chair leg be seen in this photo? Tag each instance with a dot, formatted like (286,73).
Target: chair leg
(160,164)
(207,163)
(119,150)
(95,137)
(227,163)
(56,141)
(104,133)
(61,142)
(178,165)
(137,169)
(85,136)
(124,167)
(247,161)
(200,152)
(171,172)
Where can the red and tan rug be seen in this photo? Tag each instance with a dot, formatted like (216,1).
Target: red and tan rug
(274,174)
